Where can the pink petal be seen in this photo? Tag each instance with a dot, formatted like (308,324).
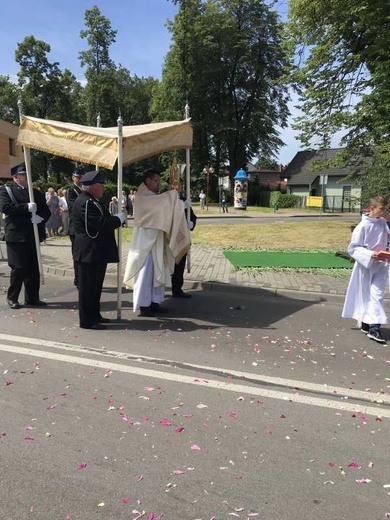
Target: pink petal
(67,516)
(28,438)
(7,383)
(28,428)
(165,422)
(82,465)
(232,414)
(195,447)
(139,478)
(126,500)
(179,430)
(353,465)
(178,472)
(363,481)
(149,389)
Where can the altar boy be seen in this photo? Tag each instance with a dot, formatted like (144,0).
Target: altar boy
(370,274)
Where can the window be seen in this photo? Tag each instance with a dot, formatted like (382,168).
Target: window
(11,147)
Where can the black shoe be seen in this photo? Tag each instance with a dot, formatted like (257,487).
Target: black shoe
(376,335)
(156,307)
(181,294)
(35,303)
(146,311)
(105,320)
(365,328)
(96,326)
(13,304)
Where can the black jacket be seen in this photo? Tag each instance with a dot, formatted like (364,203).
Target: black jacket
(94,231)
(71,195)
(18,225)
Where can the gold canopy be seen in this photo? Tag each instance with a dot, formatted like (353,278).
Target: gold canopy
(93,145)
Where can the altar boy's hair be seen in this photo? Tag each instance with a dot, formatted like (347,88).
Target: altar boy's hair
(379,200)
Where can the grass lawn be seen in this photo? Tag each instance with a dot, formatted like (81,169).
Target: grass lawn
(312,236)
(326,235)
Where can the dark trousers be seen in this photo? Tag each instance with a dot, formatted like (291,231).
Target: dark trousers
(178,275)
(72,237)
(90,284)
(22,259)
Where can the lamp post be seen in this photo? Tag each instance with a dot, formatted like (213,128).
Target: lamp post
(207,170)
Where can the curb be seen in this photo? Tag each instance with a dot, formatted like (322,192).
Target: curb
(215,286)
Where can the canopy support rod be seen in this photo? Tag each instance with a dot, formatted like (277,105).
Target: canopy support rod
(188,186)
(27,160)
(120,205)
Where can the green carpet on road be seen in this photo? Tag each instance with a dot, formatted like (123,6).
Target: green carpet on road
(286,259)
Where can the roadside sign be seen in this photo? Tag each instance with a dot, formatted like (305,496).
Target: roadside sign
(314,202)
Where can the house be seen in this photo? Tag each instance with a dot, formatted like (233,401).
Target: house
(10,153)
(269,179)
(340,194)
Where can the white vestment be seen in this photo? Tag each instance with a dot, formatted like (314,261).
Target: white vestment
(160,237)
(364,297)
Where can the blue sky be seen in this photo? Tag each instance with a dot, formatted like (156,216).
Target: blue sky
(141,45)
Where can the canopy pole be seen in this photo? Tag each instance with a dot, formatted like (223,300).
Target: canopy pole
(188,185)
(27,160)
(98,125)
(120,205)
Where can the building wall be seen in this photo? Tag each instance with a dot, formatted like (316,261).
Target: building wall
(10,153)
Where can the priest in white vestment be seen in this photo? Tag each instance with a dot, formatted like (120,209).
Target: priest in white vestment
(160,238)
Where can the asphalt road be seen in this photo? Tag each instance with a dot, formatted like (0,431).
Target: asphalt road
(235,405)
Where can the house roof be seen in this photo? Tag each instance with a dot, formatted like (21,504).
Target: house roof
(300,170)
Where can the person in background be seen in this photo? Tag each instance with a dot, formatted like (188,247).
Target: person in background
(63,205)
(94,248)
(130,200)
(123,207)
(54,222)
(370,274)
(224,204)
(202,198)
(71,196)
(19,236)
(113,206)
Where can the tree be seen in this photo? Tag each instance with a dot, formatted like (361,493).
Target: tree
(100,69)
(342,75)
(226,59)
(47,93)
(9,94)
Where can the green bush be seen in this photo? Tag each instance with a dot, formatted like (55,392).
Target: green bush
(283,200)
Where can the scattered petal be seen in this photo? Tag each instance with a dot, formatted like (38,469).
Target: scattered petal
(363,481)
(165,422)
(82,465)
(195,447)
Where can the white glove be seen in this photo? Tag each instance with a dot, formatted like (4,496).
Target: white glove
(32,207)
(36,219)
(187,203)
(190,225)
(121,217)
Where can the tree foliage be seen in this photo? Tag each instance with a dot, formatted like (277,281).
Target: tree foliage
(227,60)
(343,78)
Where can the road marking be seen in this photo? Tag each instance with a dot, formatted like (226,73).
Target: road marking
(304,386)
(218,385)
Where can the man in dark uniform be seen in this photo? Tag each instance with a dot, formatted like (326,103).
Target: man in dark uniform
(71,196)
(178,274)
(94,247)
(19,236)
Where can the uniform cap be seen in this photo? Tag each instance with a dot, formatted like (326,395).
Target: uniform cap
(20,170)
(90,178)
(78,172)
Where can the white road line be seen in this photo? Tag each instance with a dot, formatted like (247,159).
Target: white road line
(218,385)
(277,381)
